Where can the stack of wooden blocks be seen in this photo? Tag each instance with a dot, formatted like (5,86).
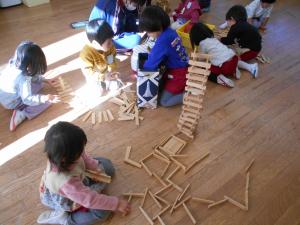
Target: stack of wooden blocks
(164,4)
(195,90)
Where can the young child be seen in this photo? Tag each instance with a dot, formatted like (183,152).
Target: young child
(21,82)
(122,16)
(168,51)
(258,13)
(186,10)
(223,60)
(73,197)
(99,57)
(246,35)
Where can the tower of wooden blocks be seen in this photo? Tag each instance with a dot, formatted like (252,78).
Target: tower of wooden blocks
(198,73)
(164,4)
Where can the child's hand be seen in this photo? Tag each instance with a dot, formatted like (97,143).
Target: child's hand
(53,98)
(123,207)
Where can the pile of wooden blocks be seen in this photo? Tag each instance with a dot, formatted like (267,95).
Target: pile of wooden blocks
(219,33)
(263,59)
(99,117)
(167,151)
(195,90)
(63,89)
(128,109)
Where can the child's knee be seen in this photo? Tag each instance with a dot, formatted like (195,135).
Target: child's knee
(101,215)
(107,165)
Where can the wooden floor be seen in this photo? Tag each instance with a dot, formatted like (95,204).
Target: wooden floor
(258,119)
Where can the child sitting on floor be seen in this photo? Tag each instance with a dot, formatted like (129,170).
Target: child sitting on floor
(258,13)
(168,51)
(73,197)
(186,10)
(21,82)
(246,36)
(99,58)
(223,60)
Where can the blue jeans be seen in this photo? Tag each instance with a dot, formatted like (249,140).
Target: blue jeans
(93,215)
(168,99)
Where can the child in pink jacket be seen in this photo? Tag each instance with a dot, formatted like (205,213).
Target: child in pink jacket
(186,10)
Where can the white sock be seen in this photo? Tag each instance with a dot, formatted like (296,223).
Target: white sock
(223,25)
(245,66)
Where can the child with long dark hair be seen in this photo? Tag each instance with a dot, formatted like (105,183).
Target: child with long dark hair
(73,197)
(223,59)
(21,82)
(168,51)
(246,36)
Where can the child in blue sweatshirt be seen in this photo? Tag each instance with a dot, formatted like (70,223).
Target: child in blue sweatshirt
(167,51)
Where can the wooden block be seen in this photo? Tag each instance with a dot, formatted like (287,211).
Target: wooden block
(144,197)
(178,188)
(87,115)
(99,117)
(188,125)
(196,77)
(161,212)
(173,172)
(123,110)
(166,169)
(98,177)
(189,213)
(189,120)
(160,220)
(146,157)
(191,110)
(159,179)
(105,117)
(163,189)
(133,163)
(199,64)
(162,200)
(179,156)
(131,107)
(196,70)
(134,194)
(125,118)
(184,191)
(129,198)
(247,199)
(109,114)
(206,201)
(194,91)
(247,181)
(136,113)
(93,118)
(178,164)
(235,203)
(182,202)
(161,158)
(61,82)
(127,153)
(173,145)
(174,204)
(117,101)
(217,203)
(146,169)
(146,215)
(196,85)
(193,98)
(198,106)
(249,166)
(197,161)
(200,55)
(155,200)
(158,152)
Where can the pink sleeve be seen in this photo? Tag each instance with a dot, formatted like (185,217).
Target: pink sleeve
(90,163)
(195,16)
(76,191)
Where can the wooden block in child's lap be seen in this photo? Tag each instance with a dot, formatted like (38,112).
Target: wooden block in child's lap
(31,3)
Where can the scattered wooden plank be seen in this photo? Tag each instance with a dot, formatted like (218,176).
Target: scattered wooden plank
(235,203)
(146,215)
(189,214)
(249,166)
(202,200)
(110,116)
(196,162)
(87,115)
(217,203)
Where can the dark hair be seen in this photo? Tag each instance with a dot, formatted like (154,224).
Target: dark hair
(154,18)
(200,32)
(64,144)
(237,12)
(30,59)
(268,1)
(99,30)
(139,2)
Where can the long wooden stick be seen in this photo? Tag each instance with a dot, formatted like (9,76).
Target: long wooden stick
(217,203)
(134,194)
(182,202)
(144,197)
(161,212)
(146,215)
(196,162)
(160,220)
(249,166)
(159,179)
(237,204)
(146,169)
(189,213)
(155,200)
(184,191)
(163,189)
